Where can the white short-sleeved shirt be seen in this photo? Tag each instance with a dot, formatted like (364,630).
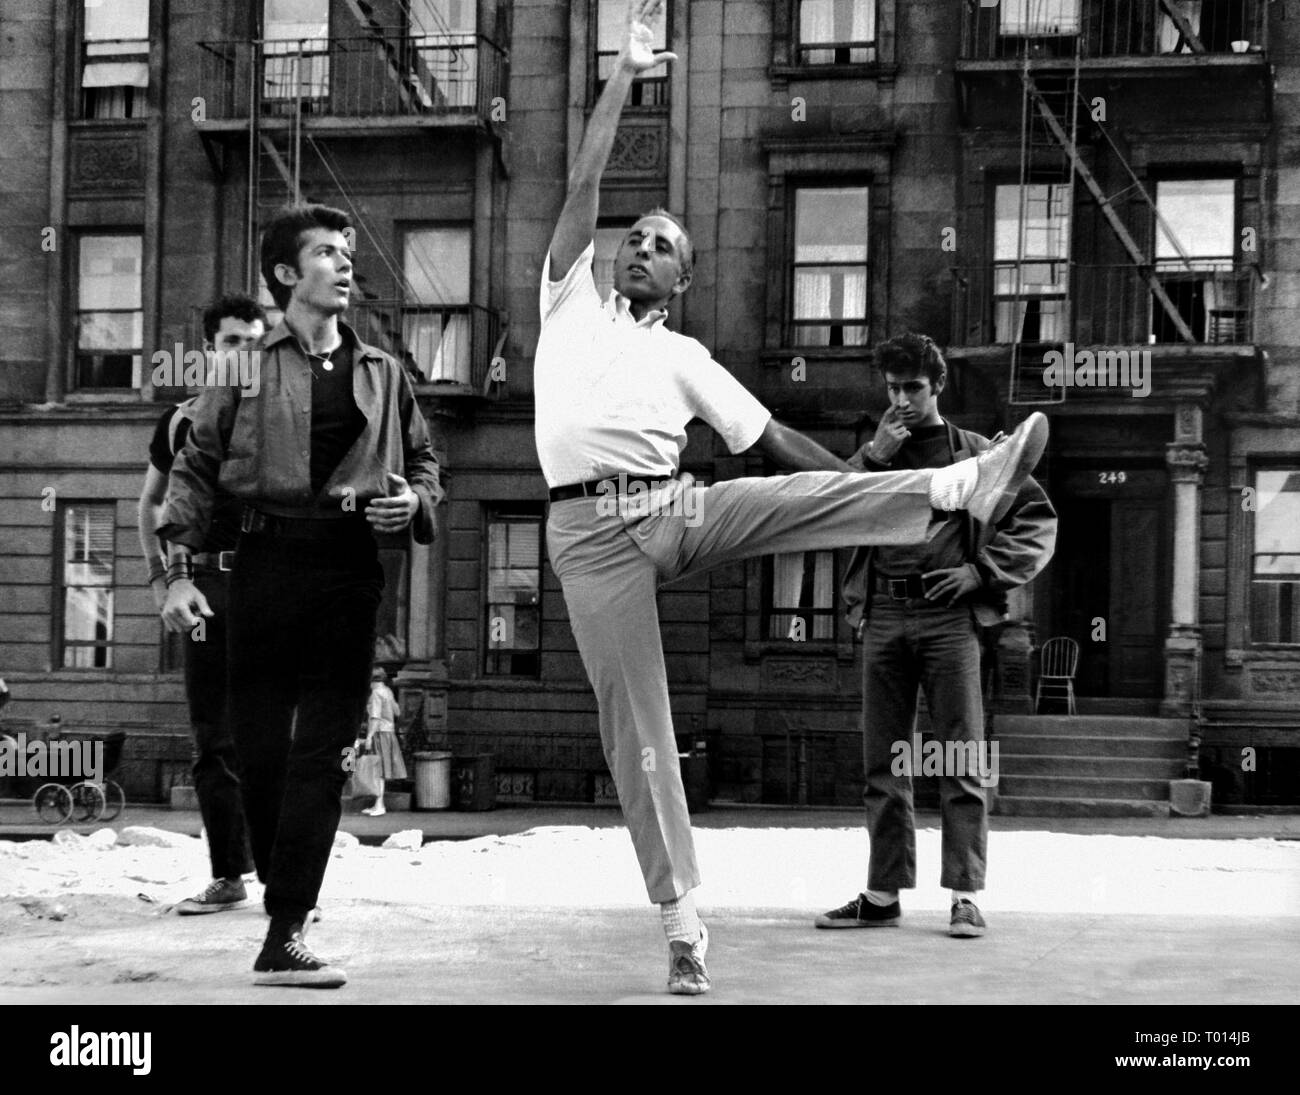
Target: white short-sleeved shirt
(615,395)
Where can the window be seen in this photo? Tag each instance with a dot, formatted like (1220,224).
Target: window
(114,58)
(436,326)
(1195,244)
(608,241)
(1031,250)
(296,62)
(443,37)
(802,597)
(110,317)
(650,89)
(1039,18)
(1275,564)
(829,272)
(86,632)
(391,620)
(837,32)
(512,621)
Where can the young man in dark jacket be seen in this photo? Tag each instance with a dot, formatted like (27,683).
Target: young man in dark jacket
(918,607)
(330,450)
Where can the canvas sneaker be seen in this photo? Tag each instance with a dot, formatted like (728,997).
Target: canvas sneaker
(861,913)
(686,973)
(966,922)
(287,961)
(220,895)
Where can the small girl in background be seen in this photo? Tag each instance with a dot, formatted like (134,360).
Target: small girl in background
(381,736)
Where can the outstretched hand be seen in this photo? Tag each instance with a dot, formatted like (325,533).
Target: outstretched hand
(639,52)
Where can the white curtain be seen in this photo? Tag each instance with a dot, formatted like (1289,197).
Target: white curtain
(1040,18)
(787,585)
(1171,39)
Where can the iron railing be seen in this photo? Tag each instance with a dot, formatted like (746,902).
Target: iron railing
(1058,301)
(1042,29)
(384,74)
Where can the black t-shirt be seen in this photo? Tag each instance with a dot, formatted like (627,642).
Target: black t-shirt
(336,420)
(226,509)
(927,447)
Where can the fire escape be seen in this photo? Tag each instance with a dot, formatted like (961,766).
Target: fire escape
(1064,56)
(276,115)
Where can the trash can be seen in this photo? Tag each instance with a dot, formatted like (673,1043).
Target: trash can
(432,780)
(474,782)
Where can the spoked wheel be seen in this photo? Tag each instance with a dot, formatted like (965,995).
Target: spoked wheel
(114,800)
(87,801)
(53,803)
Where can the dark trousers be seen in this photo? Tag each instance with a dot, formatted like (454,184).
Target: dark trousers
(216,771)
(906,644)
(302,635)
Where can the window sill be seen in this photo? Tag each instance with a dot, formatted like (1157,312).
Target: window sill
(756,650)
(882,72)
(107,395)
(108,123)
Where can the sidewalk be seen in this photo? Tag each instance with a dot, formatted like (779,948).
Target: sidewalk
(18,821)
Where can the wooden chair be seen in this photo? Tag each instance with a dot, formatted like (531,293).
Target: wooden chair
(1058,660)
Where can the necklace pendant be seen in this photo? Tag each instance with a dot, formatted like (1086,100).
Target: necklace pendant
(328,366)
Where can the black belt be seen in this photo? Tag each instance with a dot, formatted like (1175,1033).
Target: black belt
(214,560)
(610,485)
(300,528)
(901,588)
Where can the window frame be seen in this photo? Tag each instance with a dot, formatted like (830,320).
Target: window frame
(800,49)
(770,610)
(506,512)
(60,642)
(1066,320)
(787,63)
(1254,469)
(791,326)
(78,40)
(466,307)
(661,78)
(74,347)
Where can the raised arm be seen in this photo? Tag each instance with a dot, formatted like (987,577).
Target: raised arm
(577,223)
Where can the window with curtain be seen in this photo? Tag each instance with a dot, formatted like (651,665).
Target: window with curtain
(801,599)
(1196,234)
(296,61)
(86,578)
(114,58)
(1030,262)
(1039,18)
(512,623)
(837,32)
(436,319)
(1275,562)
(829,268)
(649,89)
(110,316)
(443,39)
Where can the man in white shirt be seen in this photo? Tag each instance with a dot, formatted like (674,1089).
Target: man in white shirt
(615,390)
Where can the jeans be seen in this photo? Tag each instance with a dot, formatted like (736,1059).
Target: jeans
(302,635)
(216,770)
(906,644)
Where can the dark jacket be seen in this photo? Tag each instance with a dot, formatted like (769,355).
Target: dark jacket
(258,448)
(1006,555)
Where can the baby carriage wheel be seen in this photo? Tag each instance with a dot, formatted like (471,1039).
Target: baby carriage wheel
(114,800)
(87,801)
(53,803)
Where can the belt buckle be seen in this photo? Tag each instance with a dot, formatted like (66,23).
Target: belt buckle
(225,560)
(896,584)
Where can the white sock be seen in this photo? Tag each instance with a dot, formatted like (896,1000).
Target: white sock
(951,487)
(881,897)
(960,895)
(681,921)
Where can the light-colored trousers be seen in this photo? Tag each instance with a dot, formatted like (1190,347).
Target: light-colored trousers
(610,565)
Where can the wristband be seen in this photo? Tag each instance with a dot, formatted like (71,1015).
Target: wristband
(180,570)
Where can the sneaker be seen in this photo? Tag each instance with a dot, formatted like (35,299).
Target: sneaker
(374,811)
(1000,470)
(861,913)
(288,962)
(686,973)
(966,922)
(221,894)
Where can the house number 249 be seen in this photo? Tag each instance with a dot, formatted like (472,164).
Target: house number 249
(1107,477)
